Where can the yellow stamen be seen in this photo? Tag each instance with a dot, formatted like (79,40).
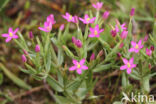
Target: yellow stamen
(78,65)
(88,19)
(70,17)
(136,46)
(10,34)
(128,65)
(95,32)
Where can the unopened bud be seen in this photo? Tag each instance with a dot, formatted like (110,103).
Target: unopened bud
(24,59)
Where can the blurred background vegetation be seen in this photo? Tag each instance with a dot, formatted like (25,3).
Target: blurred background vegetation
(28,14)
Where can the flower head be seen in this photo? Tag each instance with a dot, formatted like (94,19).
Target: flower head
(47,26)
(128,65)
(92,57)
(124,34)
(78,43)
(51,19)
(68,17)
(87,19)
(98,5)
(62,27)
(105,14)
(10,35)
(132,12)
(24,59)
(31,36)
(95,32)
(37,48)
(136,46)
(78,66)
(148,52)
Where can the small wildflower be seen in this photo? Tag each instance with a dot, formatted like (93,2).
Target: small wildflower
(105,14)
(68,17)
(10,35)
(98,5)
(92,57)
(148,52)
(145,38)
(47,27)
(121,45)
(95,32)
(152,48)
(87,19)
(78,66)
(51,19)
(31,36)
(124,34)
(128,65)
(62,27)
(123,26)
(136,46)
(132,12)
(78,43)
(24,59)
(25,52)
(37,48)
(115,31)
(76,19)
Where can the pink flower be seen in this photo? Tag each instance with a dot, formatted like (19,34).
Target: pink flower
(47,26)
(78,66)
(37,48)
(68,17)
(62,27)
(76,19)
(124,34)
(136,46)
(95,32)
(25,52)
(152,48)
(24,59)
(92,57)
(121,45)
(123,26)
(77,42)
(105,14)
(132,12)
(31,36)
(51,19)
(98,5)
(145,38)
(128,65)
(148,52)
(115,31)
(87,19)
(10,35)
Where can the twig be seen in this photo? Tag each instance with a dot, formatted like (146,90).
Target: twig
(116,72)
(28,92)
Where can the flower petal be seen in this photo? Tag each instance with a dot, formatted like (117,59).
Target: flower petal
(84,67)
(133,43)
(123,67)
(129,71)
(5,35)
(8,39)
(15,31)
(72,68)
(131,60)
(131,50)
(125,61)
(82,61)
(79,71)
(10,30)
(15,36)
(75,62)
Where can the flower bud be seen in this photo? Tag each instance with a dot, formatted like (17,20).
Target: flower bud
(124,34)
(31,36)
(119,55)
(78,43)
(105,14)
(145,38)
(100,54)
(121,45)
(73,40)
(113,33)
(37,48)
(25,52)
(92,57)
(152,48)
(132,12)
(62,27)
(148,52)
(24,59)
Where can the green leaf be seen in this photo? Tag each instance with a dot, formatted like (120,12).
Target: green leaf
(54,84)
(1,78)
(100,68)
(146,84)
(63,100)
(15,79)
(3,3)
(73,85)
